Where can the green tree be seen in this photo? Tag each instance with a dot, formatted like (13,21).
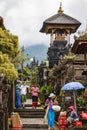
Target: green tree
(7,68)
(8,43)
(8,50)
(34,74)
(20,59)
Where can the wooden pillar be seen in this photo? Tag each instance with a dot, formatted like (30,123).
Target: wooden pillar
(13,94)
(85,57)
(51,39)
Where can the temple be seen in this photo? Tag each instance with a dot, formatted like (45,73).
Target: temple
(60,26)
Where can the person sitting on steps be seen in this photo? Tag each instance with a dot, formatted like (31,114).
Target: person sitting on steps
(73,117)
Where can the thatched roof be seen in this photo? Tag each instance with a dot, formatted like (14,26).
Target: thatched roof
(60,23)
(59,20)
(62,19)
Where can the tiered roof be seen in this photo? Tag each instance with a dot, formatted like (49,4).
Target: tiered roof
(60,21)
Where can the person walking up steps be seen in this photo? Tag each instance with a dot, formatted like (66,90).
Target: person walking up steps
(24,88)
(35,90)
(17,95)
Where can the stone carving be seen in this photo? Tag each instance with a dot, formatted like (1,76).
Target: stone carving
(56,51)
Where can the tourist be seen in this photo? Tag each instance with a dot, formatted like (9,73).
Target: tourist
(35,91)
(24,88)
(17,95)
(51,113)
(73,117)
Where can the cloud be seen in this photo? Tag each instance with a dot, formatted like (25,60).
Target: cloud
(78,10)
(25,17)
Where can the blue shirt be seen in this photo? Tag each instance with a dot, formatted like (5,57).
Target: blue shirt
(17,88)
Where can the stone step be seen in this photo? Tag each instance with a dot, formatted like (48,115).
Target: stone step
(35,126)
(29,129)
(29,110)
(31,113)
(30,105)
(34,123)
(35,129)
(32,119)
(32,116)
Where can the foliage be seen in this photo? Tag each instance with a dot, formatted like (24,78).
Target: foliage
(62,93)
(46,89)
(8,50)
(34,75)
(44,92)
(8,43)
(19,60)
(68,57)
(7,68)
(26,71)
(81,34)
(43,89)
(24,74)
(49,89)
(81,101)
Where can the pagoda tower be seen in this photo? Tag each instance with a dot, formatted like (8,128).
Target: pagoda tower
(60,26)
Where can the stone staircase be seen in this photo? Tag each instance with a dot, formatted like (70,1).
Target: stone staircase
(32,119)
(31,113)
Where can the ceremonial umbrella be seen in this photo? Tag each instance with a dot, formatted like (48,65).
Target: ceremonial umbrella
(73,86)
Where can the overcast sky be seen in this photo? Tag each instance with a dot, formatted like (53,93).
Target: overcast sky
(25,17)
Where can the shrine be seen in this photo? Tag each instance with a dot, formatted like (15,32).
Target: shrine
(80,63)
(60,26)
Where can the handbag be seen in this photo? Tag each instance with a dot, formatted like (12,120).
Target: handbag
(56,108)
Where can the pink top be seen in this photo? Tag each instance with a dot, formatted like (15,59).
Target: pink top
(35,91)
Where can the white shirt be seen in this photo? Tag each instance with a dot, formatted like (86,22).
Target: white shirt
(24,89)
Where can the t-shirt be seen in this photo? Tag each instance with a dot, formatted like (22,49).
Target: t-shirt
(17,88)
(35,91)
(24,89)
(73,115)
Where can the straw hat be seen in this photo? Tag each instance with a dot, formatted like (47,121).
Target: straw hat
(52,95)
